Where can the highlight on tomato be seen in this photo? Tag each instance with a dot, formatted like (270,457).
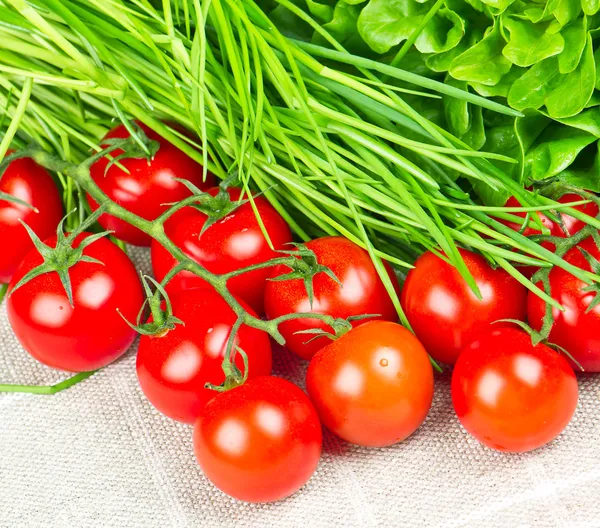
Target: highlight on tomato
(259,442)
(174,368)
(444,312)
(373,386)
(26,181)
(90,333)
(511,395)
(576,328)
(231,241)
(148,186)
(360,291)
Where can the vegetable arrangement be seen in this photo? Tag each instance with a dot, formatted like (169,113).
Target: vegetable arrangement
(333,169)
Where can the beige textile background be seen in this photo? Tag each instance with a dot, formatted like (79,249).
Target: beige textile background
(99,455)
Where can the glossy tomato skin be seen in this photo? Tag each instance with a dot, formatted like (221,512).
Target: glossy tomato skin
(26,180)
(511,395)
(373,386)
(148,187)
(443,311)
(89,335)
(575,329)
(570,225)
(173,368)
(259,442)
(233,242)
(362,292)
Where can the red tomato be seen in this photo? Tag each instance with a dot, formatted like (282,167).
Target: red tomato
(26,180)
(373,386)
(236,241)
(174,368)
(575,329)
(570,225)
(362,292)
(259,442)
(148,187)
(444,312)
(90,334)
(511,395)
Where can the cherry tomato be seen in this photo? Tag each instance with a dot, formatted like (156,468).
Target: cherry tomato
(90,334)
(174,368)
(444,312)
(570,225)
(511,395)
(575,329)
(362,292)
(259,442)
(373,386)
(233,242)
(26,180)
(148,187)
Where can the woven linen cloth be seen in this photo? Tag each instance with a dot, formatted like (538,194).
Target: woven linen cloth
(100,455)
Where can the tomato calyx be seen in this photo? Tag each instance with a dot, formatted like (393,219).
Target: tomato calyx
(339,325)
(542,336)
(64,256)
(161,309)
(137,146)
(304,266)
(214,207)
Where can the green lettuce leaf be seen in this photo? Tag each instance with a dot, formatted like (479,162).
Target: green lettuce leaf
(575,89)
(531,89)
(483,63)
(384,24)
(556,150)
(575,35)
(530,43)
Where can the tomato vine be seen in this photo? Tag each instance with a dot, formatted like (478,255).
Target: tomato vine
(302,262)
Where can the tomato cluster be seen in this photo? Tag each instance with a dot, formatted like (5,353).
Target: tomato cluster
(369,380)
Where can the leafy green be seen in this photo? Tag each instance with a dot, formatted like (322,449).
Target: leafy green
(575,35)
(322,12)
(456,110)
(588,120)
(475,136)
(502,87)
(586,177)
(539,57)
(384,24)
(590,7)
(531,89)
(555,150)
(531,43)
(575,89)
(483,63)
(343,27)
(566,10)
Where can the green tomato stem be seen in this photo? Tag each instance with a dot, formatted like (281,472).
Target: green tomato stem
(81,175)
(47,389)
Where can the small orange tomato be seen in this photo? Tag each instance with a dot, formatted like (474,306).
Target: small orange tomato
(373,386)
